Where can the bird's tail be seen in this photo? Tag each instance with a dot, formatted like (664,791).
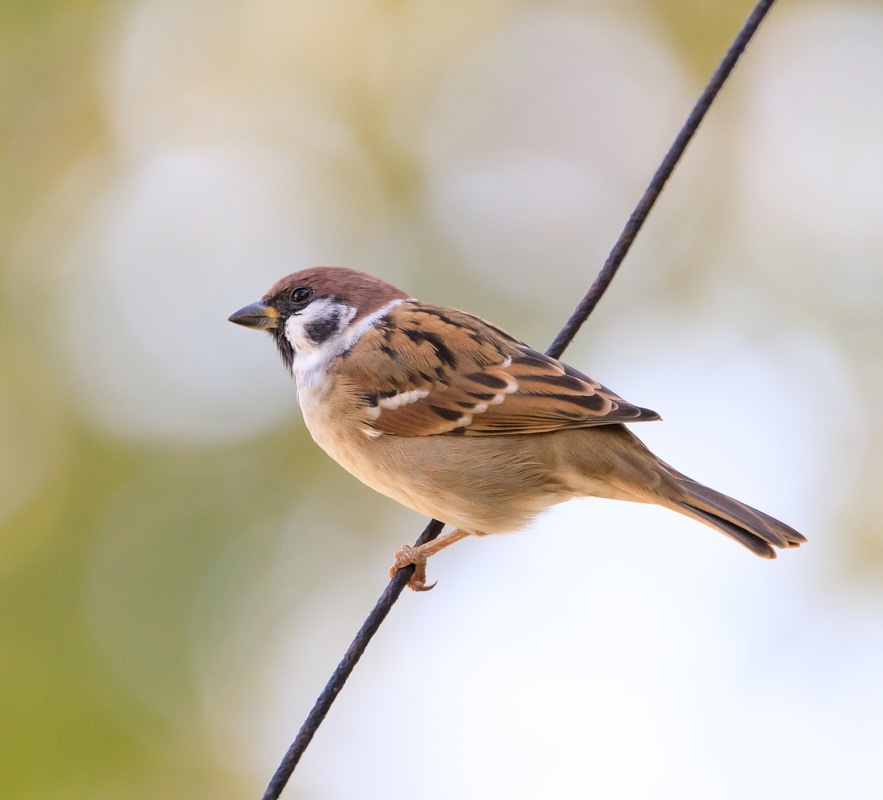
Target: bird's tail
(651,480)
(753,529)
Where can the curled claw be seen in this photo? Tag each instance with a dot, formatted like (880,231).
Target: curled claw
(418,555)
(412,556)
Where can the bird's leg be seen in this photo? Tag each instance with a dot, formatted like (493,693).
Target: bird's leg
(418,555)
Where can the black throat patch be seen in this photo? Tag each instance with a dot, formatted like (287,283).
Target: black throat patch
(285,348)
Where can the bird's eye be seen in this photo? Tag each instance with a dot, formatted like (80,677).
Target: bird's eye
(301,296)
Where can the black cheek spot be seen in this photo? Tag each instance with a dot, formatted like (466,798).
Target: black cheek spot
(322,329)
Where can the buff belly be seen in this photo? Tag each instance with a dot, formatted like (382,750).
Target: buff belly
(477,484)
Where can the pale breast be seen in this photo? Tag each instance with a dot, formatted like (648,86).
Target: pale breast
(466,483)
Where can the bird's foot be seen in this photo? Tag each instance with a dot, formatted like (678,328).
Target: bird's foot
(412,555)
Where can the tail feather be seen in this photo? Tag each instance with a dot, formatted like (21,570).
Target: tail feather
(629,471)
(753,529)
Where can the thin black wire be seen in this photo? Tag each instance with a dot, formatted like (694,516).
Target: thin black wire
(344,668)
(657,184)
(565,336)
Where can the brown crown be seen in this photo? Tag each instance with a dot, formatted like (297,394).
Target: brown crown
(364,292)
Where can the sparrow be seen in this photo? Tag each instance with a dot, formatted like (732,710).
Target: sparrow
(456,419)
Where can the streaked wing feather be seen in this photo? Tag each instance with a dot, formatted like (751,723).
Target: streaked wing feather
(463,376)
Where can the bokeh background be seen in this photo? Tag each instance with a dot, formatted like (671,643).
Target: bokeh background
(181,568)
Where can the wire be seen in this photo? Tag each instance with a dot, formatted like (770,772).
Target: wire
(657,184)
(344,668)
(564,337)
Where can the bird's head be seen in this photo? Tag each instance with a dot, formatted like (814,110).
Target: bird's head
(317,311)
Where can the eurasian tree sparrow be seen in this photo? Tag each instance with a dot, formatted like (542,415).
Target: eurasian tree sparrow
(456,419)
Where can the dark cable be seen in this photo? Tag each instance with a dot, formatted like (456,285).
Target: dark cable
(564,337)
(344,668)
(657,184)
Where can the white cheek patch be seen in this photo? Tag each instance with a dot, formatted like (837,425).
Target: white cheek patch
(320,332)
(315,335)
(317,325)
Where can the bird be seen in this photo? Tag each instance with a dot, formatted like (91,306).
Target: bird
(458,420)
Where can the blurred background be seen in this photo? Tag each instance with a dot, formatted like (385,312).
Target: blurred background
(180,566)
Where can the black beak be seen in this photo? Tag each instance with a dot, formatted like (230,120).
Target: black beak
(256,315)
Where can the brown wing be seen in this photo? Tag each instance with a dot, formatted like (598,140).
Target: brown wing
(426,371)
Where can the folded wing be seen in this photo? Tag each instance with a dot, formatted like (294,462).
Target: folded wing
(427,371)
